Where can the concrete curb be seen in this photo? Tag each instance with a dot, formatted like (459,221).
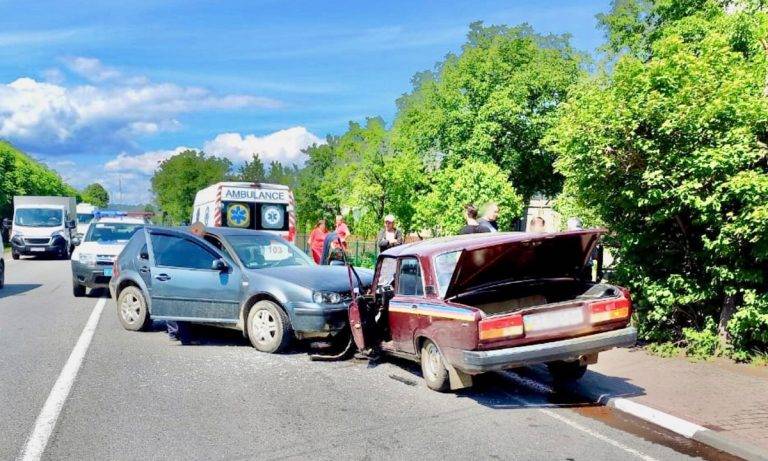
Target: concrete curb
(680,426)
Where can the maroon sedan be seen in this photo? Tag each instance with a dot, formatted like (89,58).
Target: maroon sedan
(475,303)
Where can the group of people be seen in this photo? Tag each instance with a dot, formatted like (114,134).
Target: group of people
(489,214)
(326,246)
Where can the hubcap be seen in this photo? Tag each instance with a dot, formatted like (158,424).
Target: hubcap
(264,327)
(433,361)
(130,308)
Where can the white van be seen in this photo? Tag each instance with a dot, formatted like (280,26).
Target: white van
(43,225)
(260,206)
(84,217)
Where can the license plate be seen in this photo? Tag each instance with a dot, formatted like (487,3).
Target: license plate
(108,272)
(37,249)
(553,320)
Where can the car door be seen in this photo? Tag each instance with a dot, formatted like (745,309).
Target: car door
(404,308)
(183,283)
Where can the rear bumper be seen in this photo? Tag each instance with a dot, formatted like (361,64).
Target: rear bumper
(567,349)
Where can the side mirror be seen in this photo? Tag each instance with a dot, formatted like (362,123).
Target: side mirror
(143,254)
(76,241)
(6,223)
(220,265)
(71,224)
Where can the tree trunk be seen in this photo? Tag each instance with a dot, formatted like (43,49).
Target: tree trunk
(727,311)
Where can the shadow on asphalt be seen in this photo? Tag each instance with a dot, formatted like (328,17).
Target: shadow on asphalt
(11,289)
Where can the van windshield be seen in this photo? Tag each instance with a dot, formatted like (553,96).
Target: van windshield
(84,218)
(39,217)
(261,251)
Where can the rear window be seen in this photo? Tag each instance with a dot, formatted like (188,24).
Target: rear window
(445,264)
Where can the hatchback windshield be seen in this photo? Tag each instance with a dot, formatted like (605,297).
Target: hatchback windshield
(261,251)
(444,267)
(38,217)
(111,232)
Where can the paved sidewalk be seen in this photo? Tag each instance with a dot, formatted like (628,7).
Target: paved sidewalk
(728,398)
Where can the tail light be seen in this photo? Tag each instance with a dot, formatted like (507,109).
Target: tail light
(503,327)
(609,311)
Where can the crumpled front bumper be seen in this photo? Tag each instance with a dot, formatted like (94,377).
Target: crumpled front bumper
(474,362)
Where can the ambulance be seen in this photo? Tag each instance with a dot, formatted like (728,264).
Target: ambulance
(244,205)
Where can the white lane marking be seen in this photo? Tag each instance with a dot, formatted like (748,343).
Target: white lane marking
(539,387)
(46,420)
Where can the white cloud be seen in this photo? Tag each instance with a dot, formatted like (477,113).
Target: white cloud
(48,117)
(91,68)
(145,163)
(284,146)
(132,173)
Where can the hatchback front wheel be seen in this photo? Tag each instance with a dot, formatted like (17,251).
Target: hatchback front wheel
(269,328)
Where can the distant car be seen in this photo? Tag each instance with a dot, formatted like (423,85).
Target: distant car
(94,256)
(253,281)
(476,303)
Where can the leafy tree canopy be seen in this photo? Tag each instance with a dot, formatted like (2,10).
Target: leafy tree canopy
(21,175)
(177,180)
(96,195)
(669,151)
(472,182)
(494,101)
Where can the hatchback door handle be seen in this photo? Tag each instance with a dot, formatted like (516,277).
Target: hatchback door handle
(163,277)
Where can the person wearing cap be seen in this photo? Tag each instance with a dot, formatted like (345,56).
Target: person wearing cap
(390,236)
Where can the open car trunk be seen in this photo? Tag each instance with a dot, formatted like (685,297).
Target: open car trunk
(514,297)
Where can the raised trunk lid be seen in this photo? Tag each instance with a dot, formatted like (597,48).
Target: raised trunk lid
(536,256)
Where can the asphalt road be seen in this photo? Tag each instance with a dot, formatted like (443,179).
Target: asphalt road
(140,396)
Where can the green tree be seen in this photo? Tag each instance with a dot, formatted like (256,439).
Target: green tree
(670,152)
(96,195)
(314,198)
(492,102)
(452,188)
(252,170)
(177,180)
(21,175)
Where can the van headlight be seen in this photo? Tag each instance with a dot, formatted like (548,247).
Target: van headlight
(87,258)
(326,297)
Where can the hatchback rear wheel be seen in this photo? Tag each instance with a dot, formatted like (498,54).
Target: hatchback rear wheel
(132,309)
(269,328)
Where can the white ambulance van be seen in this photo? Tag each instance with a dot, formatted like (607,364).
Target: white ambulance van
(259,206)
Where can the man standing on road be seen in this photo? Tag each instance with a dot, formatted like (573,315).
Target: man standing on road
(390,236)
(490,215)
(179,331)
(472,227)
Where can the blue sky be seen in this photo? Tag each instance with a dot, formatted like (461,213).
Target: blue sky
(103,90)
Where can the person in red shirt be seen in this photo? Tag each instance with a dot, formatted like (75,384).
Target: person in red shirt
(316,239)
(342,231)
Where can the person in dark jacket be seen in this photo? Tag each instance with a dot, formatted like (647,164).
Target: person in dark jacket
(472,227)
(390,236)
(490,216)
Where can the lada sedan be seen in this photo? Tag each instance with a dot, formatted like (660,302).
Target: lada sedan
(483,302)
(253,281)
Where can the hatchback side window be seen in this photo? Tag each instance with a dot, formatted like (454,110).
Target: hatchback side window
(172,251)
(409,278)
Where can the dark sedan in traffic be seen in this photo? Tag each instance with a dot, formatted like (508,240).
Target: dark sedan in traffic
(249,280)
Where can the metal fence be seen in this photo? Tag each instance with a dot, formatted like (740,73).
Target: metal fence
(356,248)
